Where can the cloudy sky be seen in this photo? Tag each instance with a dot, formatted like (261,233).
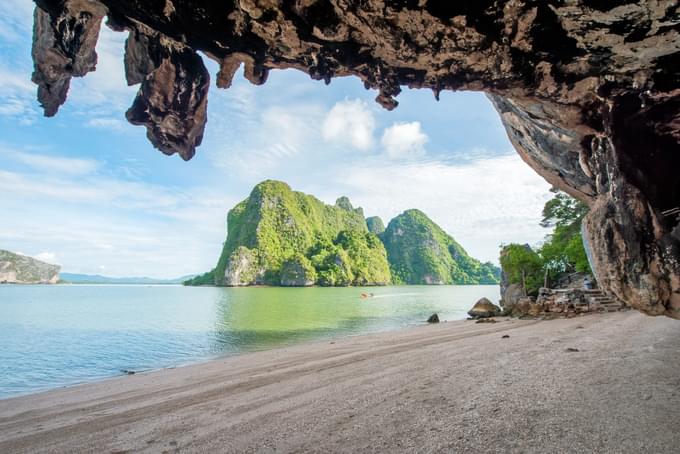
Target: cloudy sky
(86,190)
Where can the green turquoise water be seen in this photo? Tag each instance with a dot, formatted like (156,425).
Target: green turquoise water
(54,336)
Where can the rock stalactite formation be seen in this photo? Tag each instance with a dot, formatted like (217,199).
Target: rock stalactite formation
(589,91)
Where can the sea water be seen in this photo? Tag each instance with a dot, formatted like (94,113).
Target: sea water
(60,335)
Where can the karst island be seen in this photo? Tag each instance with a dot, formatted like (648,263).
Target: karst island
(339,226)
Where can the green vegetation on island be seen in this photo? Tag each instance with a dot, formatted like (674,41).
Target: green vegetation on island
(21,269)
(278,236)
(420,252)
(375,225)
(561,252)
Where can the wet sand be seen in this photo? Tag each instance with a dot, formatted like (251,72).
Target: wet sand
(452,387)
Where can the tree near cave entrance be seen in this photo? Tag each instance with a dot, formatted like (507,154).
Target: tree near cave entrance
(562,251)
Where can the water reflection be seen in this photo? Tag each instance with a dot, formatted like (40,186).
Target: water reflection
(259,318)
(253,319)
(60,335)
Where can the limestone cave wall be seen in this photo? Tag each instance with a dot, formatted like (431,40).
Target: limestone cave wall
(588,90)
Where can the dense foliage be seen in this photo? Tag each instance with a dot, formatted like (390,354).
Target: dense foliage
(563,249)
(561,252)
(352,258)
(420,252)
(298,271)
(522,265)
(279,230)
(375,225)
(281,237)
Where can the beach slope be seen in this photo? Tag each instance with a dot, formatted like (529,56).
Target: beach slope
(598,383)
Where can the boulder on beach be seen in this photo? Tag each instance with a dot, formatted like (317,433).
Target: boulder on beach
(484,309)
(434,318)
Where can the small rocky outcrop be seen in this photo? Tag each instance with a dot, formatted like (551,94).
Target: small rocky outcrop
(297,272)
(434,318)
(484,309)
(20,269)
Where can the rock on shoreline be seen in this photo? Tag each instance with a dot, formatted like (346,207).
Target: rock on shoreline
(484,309)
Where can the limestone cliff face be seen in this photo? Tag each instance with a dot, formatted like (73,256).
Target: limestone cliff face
(589,91)
(420,252)
(19,269)
(278,236)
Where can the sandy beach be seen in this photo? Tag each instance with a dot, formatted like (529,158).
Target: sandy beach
(597,383)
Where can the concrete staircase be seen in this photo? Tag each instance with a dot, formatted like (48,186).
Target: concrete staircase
(598,301)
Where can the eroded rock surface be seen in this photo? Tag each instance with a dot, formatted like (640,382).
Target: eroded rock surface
(589,91)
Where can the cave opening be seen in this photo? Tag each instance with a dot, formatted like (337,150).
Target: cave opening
(587,92)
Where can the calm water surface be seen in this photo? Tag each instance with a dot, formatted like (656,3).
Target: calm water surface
(53,336)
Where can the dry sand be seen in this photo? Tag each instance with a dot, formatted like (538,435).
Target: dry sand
(452,387)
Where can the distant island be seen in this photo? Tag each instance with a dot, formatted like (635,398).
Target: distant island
(73,278)
(21,269)
(281,237)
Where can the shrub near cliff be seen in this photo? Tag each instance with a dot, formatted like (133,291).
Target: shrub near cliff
(420,252)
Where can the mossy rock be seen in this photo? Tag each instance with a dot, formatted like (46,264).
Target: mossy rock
(298,272)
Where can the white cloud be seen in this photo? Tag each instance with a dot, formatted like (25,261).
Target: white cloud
(286,129)
(350,123)
(16,19)
(107,123)
(48,257)
(17,81)
(17,95)
(277,138)
(51,164)
(404,140)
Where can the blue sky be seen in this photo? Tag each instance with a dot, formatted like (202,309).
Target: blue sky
(86,190)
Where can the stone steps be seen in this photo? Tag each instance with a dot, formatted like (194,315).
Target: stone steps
(600,301)
(591,300)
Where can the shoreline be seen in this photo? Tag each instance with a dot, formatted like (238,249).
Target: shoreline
(55,372)
(200,361)
(455,386)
